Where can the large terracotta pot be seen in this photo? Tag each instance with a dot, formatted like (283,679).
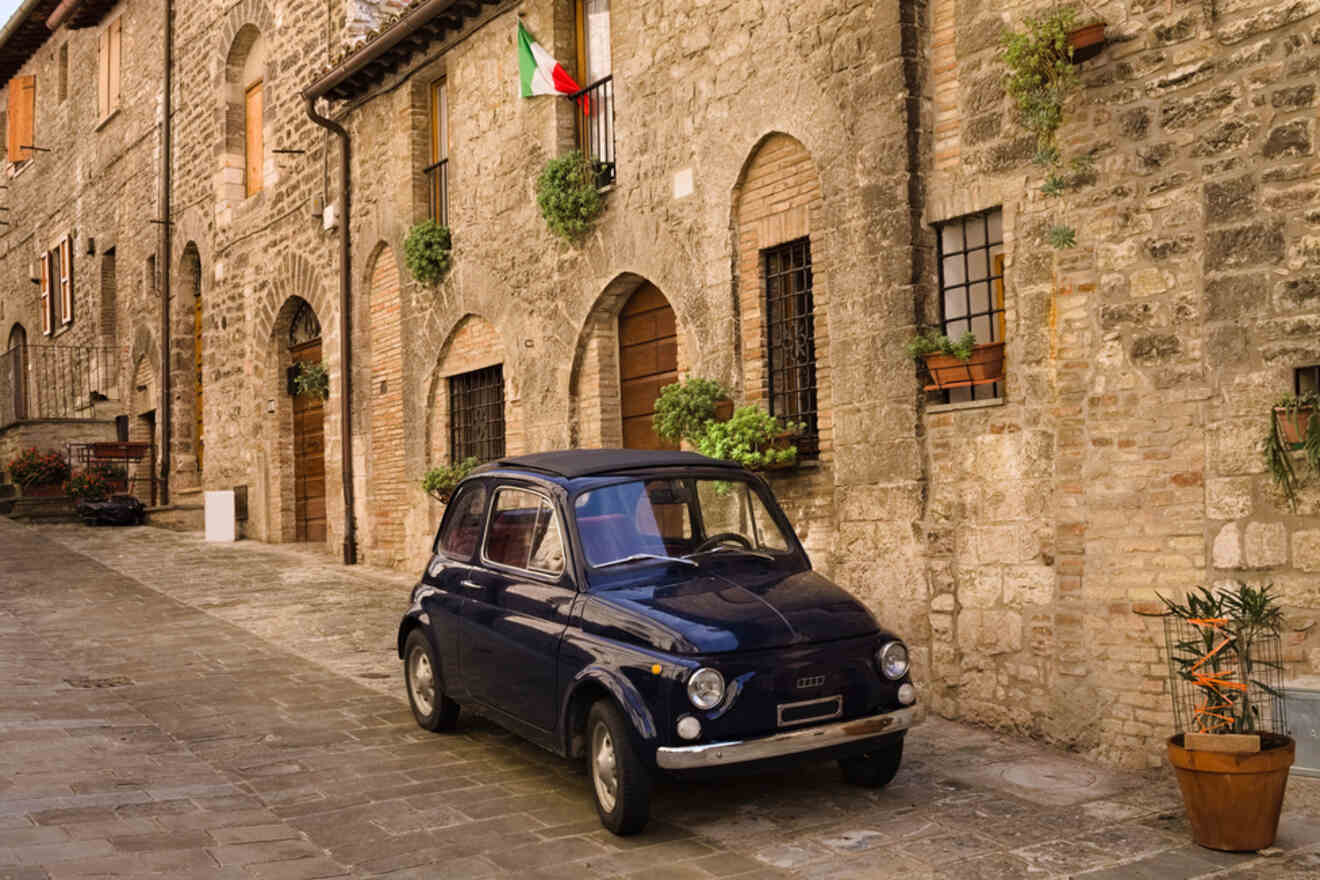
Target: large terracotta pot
(1233,800)
(986,365)
(1293,423)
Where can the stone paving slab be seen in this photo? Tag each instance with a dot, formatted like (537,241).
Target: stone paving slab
(173,708)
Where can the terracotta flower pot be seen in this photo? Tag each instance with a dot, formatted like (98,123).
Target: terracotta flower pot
(986,365)
(723,410)
(1087,42)
(1292,423)
(1233,800)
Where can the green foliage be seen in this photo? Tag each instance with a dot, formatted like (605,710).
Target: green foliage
(33,468)
(929,342)
(427,251)
(1249,615)
(312,380)
(92,484)
(440,482)
(1062,237)
(684,408)
(1277,452)
(1041,76)
(567,195)
(752,438)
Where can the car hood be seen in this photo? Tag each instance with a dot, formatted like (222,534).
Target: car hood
(729,605)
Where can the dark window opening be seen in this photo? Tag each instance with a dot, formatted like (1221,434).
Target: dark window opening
(971,268)
(476,414)
(791,340)
(1306,380)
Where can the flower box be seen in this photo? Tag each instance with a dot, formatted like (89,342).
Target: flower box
(1292,423)
(1087,42)
(43,490)
(985,366)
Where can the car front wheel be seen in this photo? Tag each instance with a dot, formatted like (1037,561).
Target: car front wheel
(432,709)
(873,769)
(620,783)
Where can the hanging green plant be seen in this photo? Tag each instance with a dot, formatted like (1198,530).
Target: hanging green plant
(1294,424)
(440,482)
(753,438)
(684,408)
(567,195)
(427,251)
(1041,77)
(312,380)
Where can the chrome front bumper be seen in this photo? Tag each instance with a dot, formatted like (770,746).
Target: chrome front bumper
(803,739)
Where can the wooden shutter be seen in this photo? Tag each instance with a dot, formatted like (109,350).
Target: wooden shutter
(253,148)
(66,280)
(22,95)
(103,75)
(107,84)
(47,326)
(115,56)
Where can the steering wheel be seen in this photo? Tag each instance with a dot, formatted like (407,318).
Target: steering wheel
(715,540)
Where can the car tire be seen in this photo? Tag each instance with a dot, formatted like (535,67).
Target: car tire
(421,674)
(620,782)
(873,769)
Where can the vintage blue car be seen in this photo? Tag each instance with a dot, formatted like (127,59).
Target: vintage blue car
(655,613)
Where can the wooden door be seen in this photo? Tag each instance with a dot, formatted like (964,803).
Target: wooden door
(648,361)
(198,441)
(308,454)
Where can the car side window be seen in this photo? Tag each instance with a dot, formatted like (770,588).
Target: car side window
(524,532)
(462,530)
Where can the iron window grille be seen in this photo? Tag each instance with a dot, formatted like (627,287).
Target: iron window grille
(971,267)
(1306,380)
(791,339)
(595,127)
(437,191)
(476,414)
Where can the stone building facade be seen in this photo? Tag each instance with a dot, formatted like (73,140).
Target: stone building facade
(1010,534)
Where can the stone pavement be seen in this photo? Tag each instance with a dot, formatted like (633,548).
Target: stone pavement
(182,709)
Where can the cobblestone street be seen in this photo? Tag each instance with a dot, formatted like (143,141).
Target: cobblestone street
(237,711)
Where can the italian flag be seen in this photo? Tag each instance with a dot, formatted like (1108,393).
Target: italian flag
(538,73)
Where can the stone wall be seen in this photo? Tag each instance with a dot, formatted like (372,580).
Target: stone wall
(1123,460)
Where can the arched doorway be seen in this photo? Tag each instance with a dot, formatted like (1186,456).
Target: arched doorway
(648,361)
(308,430)
(13,374)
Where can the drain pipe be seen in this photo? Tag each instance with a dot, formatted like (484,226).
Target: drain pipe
(166,154)
(345,326)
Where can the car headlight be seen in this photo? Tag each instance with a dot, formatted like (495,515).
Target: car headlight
(706,688)
(892,658)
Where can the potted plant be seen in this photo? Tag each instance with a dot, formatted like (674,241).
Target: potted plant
(1041,77)
(957,363)
(440,482)
(91,484)
(567,195)
(1293,425)
(427,251)
(39,474)
(753,438)
(1232,752)
(683,409)
(311,380)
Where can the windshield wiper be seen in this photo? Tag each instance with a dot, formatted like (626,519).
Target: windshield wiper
(637,557)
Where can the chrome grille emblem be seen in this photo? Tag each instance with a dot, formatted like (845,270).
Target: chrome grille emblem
(811,681)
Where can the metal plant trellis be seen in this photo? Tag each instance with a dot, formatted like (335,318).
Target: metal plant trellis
(1223,680)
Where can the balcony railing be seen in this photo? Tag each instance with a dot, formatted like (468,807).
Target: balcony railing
(55,381)
(437,190)
(595,110)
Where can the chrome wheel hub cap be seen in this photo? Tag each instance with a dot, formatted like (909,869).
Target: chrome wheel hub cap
(604,768)
(421,681)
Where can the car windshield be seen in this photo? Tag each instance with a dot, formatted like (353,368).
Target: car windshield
(677,519)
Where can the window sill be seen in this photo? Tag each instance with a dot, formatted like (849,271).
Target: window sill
(801,468)
(966,404)
(105,120)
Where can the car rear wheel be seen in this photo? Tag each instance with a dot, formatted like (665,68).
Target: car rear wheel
(873,769)
(432,709)
(620,783)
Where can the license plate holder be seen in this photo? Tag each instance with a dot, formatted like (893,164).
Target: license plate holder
(808,711)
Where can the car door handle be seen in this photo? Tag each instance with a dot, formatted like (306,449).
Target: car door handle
(470,585)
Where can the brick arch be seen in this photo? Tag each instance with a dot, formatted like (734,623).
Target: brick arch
(594,387)
(471,344)
(295,276)
(249,12)
(778,199)
(387,489)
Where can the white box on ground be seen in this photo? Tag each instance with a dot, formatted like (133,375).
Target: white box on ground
(220,522)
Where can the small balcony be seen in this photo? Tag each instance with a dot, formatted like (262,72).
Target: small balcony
(595,127)
(57,382)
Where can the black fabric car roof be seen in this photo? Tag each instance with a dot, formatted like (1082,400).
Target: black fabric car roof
(585,462)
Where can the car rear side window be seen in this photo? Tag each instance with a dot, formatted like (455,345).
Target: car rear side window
(524,533)
(462,530)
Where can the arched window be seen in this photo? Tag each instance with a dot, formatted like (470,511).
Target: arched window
(245,100)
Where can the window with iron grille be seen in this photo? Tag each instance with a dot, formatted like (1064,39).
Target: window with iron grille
(791,339)
(437,171)
(476,414)
(972,287)
(1306,380)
